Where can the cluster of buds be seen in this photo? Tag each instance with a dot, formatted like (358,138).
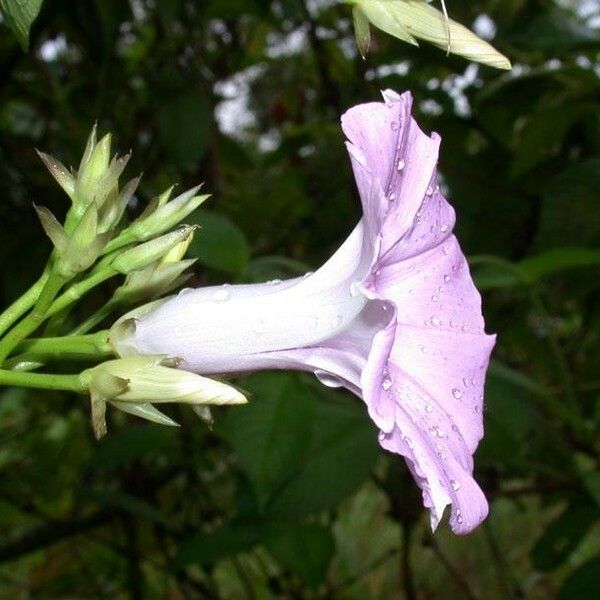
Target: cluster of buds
(97,238)
(135,384)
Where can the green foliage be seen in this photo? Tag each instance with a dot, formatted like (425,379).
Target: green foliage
(20,15)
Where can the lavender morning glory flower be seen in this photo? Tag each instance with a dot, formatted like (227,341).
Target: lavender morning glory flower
(393,316)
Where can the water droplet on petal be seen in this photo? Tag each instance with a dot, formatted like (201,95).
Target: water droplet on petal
(391,197)
(185,291)
(424,349)
(437,432)
(307,274)
(407,441)
(222,294)
(444,228)
(400,165)
(435,321)
(457,393)
(428,408)
(459,518)
(386,384)
(394,125)
(465,381)
(429,191)
(446,278)
(274,282)
(455,485)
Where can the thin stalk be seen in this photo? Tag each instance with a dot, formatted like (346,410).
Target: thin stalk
(35,318)
(20,306)
(94,345)
(44,381)
(79,289)
(94,319)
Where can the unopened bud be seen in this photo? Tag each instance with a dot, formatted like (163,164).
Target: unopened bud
(93,169)
(148,252)
(166,215)
(62,175)
(153,281)
(150,381)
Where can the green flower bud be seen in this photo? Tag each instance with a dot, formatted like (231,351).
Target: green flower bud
(114,206)
(166,214)
(93,167)
(62,175)
(148,252)
(80,249)
(151,379)
(153,281)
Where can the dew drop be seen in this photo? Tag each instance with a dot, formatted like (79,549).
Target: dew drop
(185,291)
(434,321)
(222,294)
(407,441)
(457,393)
(466,381)
(274,282)
(424,349)
(446,278)
(444,228)
(459,518)
(400,165)
(307,274)
(455,485)
(354,288)
(437,432)
(391,197)
(428,408)
(386,384)
(394,125)
(429,191)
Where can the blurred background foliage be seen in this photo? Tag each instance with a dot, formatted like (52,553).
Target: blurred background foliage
(290,497)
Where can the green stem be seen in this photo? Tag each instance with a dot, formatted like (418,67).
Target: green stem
(92,345)
(79,289)
(20,306)
(34,319)
(45,381)
(94,319)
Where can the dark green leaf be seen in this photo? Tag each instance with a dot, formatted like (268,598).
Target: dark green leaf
(20,15)
(583,583)
(305,549)
(272,433)
(219,243)
(133,443)
(342,452)
(184,127)
(563,536)
(227,541)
